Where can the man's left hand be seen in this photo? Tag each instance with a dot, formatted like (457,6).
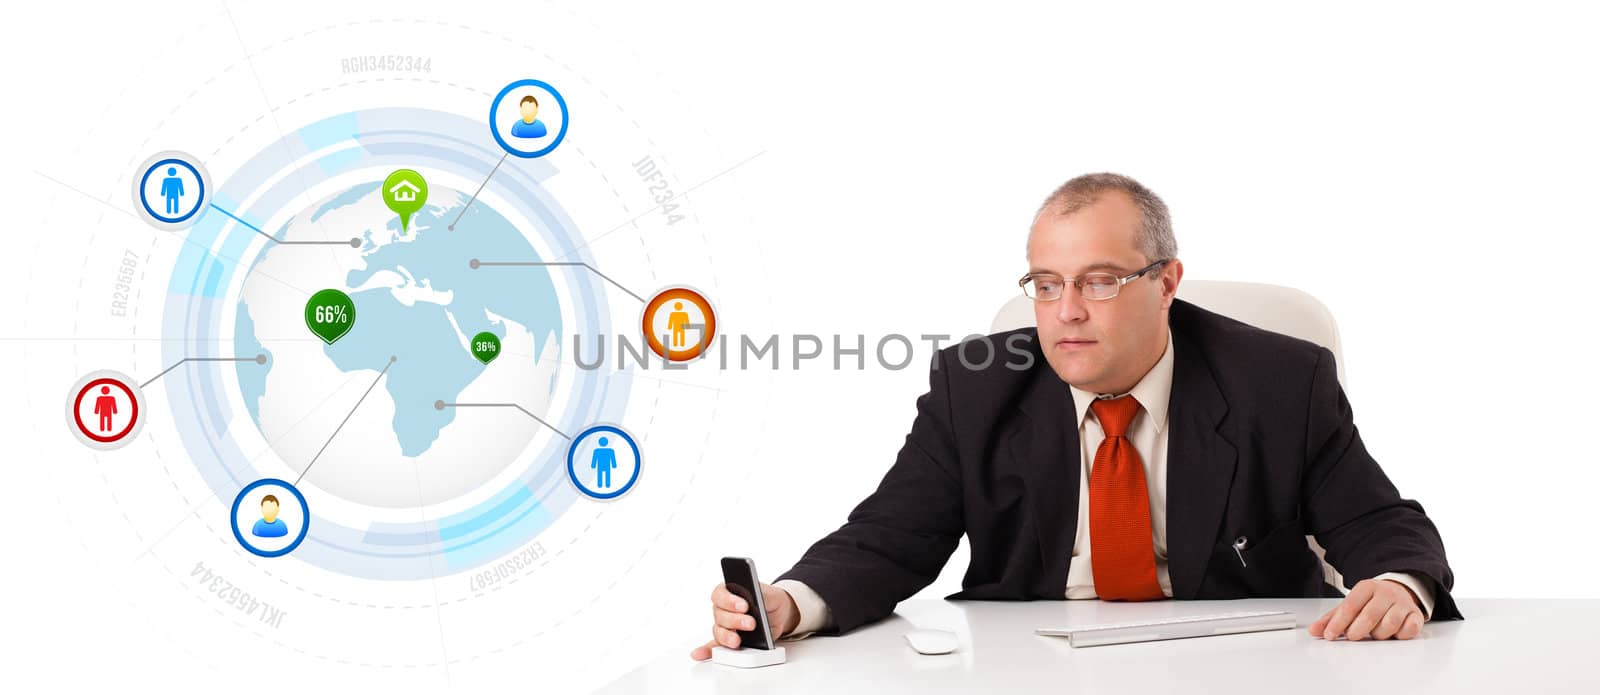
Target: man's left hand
(1375,608)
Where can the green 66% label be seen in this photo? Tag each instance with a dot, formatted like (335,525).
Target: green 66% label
(330,314)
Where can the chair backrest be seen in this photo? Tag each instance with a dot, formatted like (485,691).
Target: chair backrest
(1279,309)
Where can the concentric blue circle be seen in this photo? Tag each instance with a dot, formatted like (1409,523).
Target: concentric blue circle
(387,138)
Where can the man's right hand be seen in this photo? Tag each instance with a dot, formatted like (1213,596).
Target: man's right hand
(728,618)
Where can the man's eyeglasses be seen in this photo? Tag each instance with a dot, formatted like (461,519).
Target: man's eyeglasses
(1047,287)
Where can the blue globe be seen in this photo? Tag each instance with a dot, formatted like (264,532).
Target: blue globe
(417,299)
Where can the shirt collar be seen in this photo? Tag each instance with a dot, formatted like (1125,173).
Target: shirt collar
(1153,392)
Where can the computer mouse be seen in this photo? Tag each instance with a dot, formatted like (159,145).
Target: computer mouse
(932,641)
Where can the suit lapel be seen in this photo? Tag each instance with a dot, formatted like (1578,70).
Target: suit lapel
(1200,463)
(1047,448)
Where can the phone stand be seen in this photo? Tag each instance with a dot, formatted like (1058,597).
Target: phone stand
(748,658)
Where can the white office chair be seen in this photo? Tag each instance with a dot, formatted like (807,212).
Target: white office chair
(1279,309)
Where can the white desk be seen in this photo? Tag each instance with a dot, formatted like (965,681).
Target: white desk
(1505,647)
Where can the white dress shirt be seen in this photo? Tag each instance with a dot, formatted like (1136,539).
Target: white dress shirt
(1149,434)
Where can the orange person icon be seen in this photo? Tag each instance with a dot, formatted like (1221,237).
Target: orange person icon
(669,316)
(105,406)
(678,323)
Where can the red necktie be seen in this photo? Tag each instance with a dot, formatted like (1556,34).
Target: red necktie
(1120,543)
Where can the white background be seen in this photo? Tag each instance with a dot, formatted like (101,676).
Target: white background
(1427,171)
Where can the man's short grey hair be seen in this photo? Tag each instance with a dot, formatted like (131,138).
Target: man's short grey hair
(1154,238)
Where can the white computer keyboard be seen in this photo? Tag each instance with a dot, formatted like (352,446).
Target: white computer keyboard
(1175,627)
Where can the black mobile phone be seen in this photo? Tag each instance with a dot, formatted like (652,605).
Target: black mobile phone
(739,574)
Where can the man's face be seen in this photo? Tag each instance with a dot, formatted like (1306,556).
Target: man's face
(1100,346)
(530,111)
(269,510)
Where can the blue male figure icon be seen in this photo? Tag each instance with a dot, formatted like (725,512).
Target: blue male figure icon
(603,460)
(172,190)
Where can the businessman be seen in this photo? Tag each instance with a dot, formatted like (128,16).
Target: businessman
(1149,449)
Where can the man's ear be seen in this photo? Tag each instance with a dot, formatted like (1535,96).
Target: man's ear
(1171,276)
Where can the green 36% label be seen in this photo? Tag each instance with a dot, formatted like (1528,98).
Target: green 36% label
(330,314)
(485,347)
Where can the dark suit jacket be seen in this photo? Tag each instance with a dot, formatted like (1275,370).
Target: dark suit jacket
(1262,445)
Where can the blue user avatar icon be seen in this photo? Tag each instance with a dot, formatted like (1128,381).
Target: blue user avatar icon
(269,525)
(529,125)
(270,517)
(528,118)
(603,462)
(171,190)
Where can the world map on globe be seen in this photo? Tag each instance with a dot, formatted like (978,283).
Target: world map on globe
(418,300)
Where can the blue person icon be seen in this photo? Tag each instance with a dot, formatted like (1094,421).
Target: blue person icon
(612,459)
(172,190)
(603,460)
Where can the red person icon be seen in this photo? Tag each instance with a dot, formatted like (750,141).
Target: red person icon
(105,410)
(105,406)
